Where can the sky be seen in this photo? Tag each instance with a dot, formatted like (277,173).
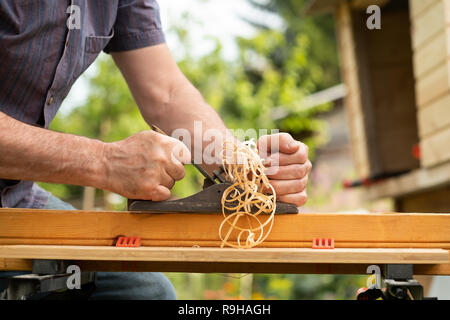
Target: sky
(218,18)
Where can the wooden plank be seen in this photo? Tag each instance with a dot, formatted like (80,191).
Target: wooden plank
(434,117)
(432,86)
(436,200)
(15,264)
(428,25)
(435,149)
(419,180)
(28,226)
(257,255)
(227,267)
(351,78)
(419,6)
(432,54)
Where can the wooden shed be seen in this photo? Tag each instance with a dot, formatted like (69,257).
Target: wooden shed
(398,97)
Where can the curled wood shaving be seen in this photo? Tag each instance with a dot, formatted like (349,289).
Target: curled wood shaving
(249,204)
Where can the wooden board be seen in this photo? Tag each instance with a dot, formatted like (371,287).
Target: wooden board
(352,79)
(434,85)
(434,117)
(436,148)
(257,260)
(428,24)
(432,54)
(256,255)
(436,200)
(420,180)
(225,267)
(50,227)
(417,7)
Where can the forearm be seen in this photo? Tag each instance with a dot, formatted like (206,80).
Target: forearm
(188,111)
(36,154)
(184,108)
(164,95)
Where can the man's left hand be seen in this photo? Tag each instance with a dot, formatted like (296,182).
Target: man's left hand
(287,166)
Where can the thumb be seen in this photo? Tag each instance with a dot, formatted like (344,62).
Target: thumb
(160,193)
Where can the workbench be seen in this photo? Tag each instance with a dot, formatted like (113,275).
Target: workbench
(174,242)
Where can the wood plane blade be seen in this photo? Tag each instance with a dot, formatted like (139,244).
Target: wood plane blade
(206,201)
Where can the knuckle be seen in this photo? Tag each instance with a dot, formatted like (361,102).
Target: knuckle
(181,173)
(160,157)
(299,171)
(150,187)
(263,137)
(301,199)
(302,156)
(170,184)
(165,142)
(303,183)
(305,147)
(300,186)
(309,166)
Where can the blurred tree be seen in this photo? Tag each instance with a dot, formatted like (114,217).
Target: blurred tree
(319,33)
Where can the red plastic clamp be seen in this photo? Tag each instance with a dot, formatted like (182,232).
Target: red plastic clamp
(323,243)
(128,242)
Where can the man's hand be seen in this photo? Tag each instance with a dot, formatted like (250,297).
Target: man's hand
(145,166)
(287,168)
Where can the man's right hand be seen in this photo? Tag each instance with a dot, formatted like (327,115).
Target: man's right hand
(145,166)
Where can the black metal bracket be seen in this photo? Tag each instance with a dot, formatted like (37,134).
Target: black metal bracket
(400,285)
(47,276)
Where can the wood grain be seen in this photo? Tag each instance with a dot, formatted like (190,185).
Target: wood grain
(352,78)
(277,266)
(381,230)
(418,7)
(256,255)
(428,24)
(434,117)
(435,149)
(416,181)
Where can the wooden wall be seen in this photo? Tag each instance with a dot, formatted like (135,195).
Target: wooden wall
(377,68)
(430,29)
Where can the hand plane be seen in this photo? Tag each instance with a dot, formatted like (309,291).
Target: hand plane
(209,200)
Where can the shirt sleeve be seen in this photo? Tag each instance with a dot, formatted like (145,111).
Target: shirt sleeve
(137,25)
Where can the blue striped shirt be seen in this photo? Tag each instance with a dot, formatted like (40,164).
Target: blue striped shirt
(45,45)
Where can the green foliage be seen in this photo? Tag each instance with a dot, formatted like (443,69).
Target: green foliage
(321,52)
(266,286)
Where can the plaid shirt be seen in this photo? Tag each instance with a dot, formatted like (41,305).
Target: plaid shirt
(45,45)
